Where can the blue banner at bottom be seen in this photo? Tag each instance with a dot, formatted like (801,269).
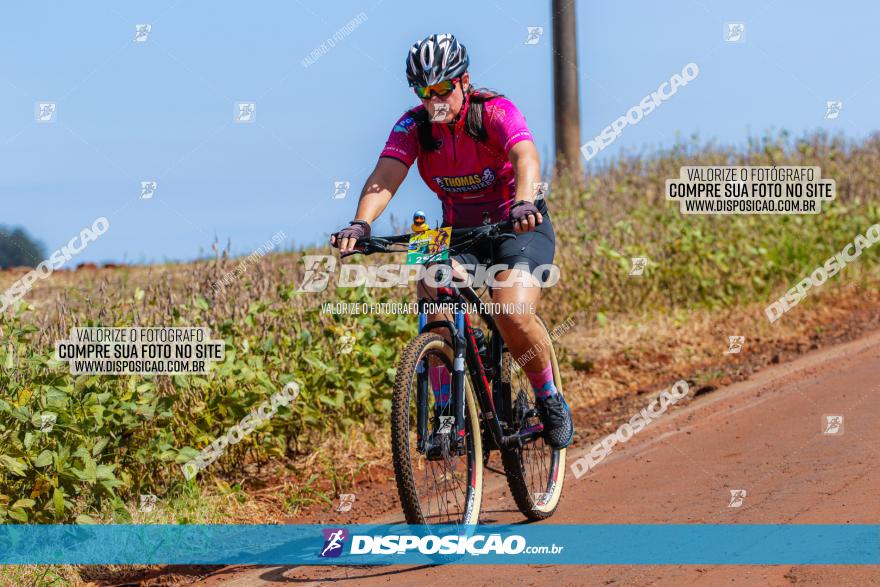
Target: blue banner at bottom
(626,544)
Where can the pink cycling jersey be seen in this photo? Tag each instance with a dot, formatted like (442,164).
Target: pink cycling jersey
(471,178)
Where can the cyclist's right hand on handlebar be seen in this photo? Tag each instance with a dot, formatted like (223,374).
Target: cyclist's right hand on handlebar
(347,238)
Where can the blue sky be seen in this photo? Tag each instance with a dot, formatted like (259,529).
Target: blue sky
(163,109)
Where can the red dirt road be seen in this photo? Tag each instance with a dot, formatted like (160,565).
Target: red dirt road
(763,435)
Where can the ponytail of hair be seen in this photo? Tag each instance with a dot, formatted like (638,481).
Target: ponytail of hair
(473,123)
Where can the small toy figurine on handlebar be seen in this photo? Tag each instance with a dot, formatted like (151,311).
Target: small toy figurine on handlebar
(419,223)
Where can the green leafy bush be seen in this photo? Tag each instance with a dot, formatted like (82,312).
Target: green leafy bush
(114,437)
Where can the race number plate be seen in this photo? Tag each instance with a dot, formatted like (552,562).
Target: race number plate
(431,245)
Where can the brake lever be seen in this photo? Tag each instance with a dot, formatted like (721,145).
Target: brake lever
(505,235)
(368,246)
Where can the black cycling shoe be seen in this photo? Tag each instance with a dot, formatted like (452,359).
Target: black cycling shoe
(556,418)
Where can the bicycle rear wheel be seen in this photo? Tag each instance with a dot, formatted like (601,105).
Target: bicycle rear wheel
(444,490)
(535,472)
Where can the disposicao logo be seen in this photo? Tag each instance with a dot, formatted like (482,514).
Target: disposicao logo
(452,544)
(409,544)
(334,540)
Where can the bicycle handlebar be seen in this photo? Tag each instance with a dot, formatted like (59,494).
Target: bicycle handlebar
(382,244)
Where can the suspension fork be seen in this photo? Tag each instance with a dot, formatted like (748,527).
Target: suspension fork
(457,330)
(459,346)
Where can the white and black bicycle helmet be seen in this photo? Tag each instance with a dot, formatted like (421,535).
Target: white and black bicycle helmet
(434,59)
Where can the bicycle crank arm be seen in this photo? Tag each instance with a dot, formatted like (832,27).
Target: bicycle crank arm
(523,437)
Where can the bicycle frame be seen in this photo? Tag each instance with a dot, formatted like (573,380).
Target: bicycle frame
(494,404)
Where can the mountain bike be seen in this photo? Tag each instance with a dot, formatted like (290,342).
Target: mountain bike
(440,452)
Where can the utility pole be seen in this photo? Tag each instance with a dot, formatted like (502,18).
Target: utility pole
(566,110)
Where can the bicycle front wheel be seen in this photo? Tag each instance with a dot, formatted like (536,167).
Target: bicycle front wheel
(439,487)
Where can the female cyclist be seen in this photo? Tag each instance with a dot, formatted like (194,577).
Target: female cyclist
(476,153)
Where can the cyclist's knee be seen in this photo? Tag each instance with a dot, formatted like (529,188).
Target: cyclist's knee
(515,319)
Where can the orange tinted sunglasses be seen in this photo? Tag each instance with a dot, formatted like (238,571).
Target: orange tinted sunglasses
(441,89)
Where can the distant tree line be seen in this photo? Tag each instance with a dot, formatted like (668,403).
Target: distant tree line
(19,249)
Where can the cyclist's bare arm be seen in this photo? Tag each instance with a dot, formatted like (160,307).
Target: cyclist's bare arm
(378,190)
(527,165)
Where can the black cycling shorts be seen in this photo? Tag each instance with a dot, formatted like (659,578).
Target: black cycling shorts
(533,248)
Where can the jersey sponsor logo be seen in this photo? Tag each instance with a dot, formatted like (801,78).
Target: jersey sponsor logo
(404,125)
(466,183)
(396,149)
(496,112)
(516,135)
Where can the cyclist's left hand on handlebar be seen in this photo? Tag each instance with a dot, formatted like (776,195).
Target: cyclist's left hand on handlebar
(347,238)
(524,216)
